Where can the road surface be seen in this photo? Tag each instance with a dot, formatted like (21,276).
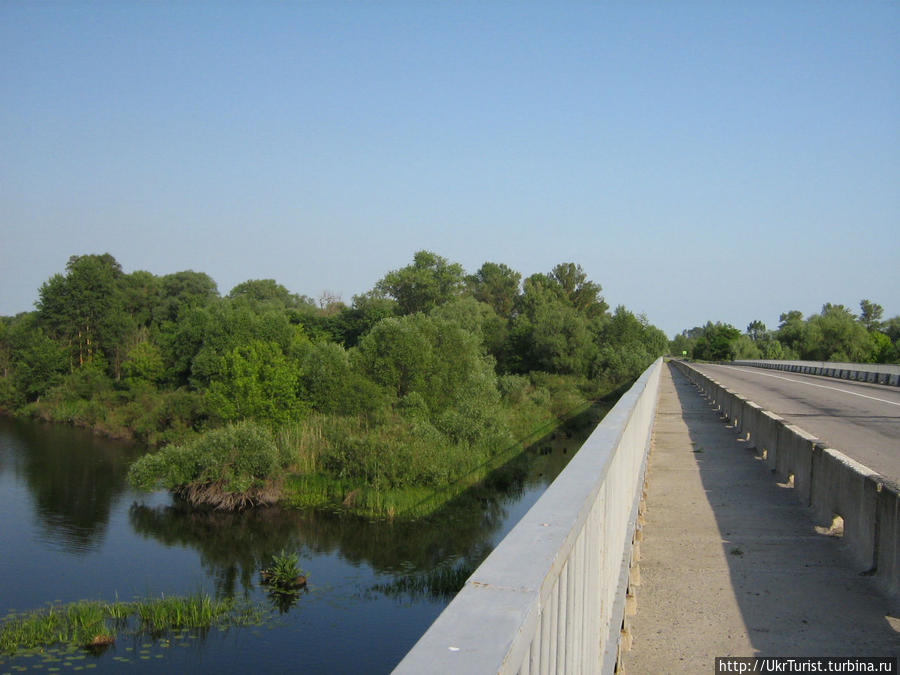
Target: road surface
(861,420)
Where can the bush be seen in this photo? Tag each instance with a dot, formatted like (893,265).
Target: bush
(231,467)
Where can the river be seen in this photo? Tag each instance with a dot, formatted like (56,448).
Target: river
(71,529)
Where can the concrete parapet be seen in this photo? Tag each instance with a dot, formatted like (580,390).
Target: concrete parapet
(769,425)
(887,518)
(878,373)
(843,487)
(751,422)
(553,595)
(795,459)
(825,479)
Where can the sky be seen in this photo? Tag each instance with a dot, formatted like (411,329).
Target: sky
(701,161)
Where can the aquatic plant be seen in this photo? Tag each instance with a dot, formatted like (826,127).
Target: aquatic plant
(283,575)
(93,625)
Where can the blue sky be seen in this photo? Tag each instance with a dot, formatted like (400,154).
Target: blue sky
(701,161)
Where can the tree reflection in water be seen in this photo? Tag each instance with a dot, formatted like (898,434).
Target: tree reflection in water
(73,476)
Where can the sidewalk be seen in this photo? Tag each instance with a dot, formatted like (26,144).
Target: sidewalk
(730,562)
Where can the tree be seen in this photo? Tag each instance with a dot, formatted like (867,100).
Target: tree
(628,344)
(756,330)
(430,356)
(891,328)
(350,323)
(497,285)
(870,315)
(581,292)
(85,308)
(791,329)
(548,333)
(267,292)
(144,363)
(836,335)
(140,297)
(743,347)
(39,363)
(427,283)
(716,343)
(255,381)
(181,290)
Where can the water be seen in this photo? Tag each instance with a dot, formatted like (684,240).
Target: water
(71,529)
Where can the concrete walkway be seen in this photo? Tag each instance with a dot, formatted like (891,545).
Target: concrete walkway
(731,564)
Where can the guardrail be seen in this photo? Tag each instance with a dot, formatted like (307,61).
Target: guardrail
(551,597)
(879,373)
(825,479)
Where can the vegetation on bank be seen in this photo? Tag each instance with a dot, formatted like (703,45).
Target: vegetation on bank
(94,625)
(263,395)
(835,334)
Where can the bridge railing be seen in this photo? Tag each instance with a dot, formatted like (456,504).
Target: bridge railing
(879,373)
(551,597)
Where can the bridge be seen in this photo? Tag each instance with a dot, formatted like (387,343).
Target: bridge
(693,523)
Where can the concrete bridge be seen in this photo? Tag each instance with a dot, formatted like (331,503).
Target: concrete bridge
(693,523)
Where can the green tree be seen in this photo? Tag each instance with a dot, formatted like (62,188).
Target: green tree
(717,342)
(330,384)
(181,290)
(791,330)
(140,297)
(836,335)
(583,294)
(39,363)
(548,333)
(743,347)
(432,357)
(870,315)
(205,333)
(427,283)
(267,292)
(756,330)
(351,323)
(497,285)
(255,381)
(85,308)
(883,350)
(144,363)
(628,344)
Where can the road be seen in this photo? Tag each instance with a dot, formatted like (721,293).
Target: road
(859,419)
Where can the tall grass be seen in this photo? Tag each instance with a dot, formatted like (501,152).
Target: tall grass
(89,623)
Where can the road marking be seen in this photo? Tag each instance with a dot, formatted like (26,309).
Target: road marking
(755,371)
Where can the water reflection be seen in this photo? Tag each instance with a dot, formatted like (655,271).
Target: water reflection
(73,476)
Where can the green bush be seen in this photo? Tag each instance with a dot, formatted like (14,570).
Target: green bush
(235,458)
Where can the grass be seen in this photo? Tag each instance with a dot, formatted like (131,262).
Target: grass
(92,624)
(411,501)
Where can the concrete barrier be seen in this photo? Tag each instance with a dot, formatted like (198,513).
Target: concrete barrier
(551,598)
(877,373)
(825,479)
(888,547)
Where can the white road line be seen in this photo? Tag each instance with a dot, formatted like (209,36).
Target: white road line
(756,371)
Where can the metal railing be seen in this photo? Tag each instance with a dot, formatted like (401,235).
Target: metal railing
(551,597)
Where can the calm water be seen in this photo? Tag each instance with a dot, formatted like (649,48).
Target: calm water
(71,529)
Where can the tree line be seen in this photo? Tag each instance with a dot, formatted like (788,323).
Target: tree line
(834,334)
(412,383)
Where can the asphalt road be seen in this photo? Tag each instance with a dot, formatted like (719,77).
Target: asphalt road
(859,419)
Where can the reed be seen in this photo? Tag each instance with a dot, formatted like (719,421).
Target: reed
(91,624)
